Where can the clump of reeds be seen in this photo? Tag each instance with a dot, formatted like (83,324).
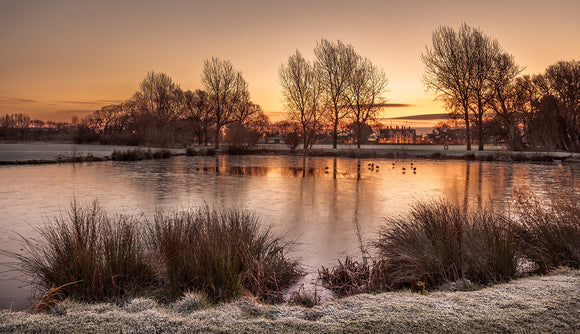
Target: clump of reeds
(436,242)
(222,253)
(139,154)
(550,223)
(191,152)
(88,255)
(440,242)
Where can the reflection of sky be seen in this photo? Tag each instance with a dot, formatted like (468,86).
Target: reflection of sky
(298,196)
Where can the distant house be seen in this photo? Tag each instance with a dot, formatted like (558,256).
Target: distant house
(397,135)
(274,140)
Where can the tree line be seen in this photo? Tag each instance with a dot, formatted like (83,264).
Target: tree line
(340,94)
(481,85)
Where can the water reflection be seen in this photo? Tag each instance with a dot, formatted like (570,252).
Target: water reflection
(281,171)
(315,200)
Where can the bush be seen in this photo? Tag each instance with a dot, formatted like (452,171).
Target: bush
(88,256)
(191,301)
(550,223)
(441,242)
(191,152)
(222,252)
(436,242)
(140,154)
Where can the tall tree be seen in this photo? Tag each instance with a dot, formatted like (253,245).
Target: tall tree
(364,94)
(560,87)
(337,62)
(158,95)
(226,88)
(199,110)
(508,103)
(301,88)
(448,70)
(460,68)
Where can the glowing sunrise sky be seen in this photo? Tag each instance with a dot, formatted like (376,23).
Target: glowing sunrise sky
(65,58)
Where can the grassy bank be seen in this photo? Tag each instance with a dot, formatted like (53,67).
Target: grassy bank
(539,304)
(88,255)
(440,242)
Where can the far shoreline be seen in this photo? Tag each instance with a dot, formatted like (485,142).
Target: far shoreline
(40,153)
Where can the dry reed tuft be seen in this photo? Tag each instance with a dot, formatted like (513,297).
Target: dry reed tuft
(550,223)
(222,253)
(101,255)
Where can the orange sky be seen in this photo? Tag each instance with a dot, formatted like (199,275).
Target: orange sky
(64,58)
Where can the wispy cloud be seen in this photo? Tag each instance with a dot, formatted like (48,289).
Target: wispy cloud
(89,102)
(17,100)
(396,105)
(8,99)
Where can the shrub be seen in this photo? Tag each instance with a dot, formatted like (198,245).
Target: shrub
(191,301)
(139,154)
(550,223)
(222,252)
(88,256)
(208,152)
(436,242)
(191,152)
(91,257)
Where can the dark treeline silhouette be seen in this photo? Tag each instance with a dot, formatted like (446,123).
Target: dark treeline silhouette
(161,113)
(482,85)
(22,127)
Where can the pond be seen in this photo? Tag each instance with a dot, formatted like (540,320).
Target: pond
(314,200)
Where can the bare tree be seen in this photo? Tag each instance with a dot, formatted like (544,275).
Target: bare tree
(337,62)
(226,88)
(560,87)
(448,70)
(302,91)
(158,95)
(467,69)
(508,101)
(364,94)
(199,111)
(483,51)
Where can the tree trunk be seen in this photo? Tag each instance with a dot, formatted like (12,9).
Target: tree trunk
(335,135)
(358,135)
(467,134)
(480,128)
(217,137)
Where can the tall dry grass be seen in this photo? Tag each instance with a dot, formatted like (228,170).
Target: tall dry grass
(550,223)
(92,256)
(439,242)
(222,253)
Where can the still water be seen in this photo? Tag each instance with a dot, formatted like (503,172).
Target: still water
(314,200)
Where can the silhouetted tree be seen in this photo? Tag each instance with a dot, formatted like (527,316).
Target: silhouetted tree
(337,62)
(560,88)
(226,88)
(508,100)
(364,95)
(14,125)
(449,67)
(199,109)
(302,91)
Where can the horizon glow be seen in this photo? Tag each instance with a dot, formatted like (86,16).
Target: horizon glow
(64,58)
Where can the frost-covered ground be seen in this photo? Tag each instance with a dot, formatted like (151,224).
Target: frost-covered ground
(536,305)
(53,151)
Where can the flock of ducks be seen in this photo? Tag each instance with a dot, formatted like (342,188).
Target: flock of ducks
(373,167)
